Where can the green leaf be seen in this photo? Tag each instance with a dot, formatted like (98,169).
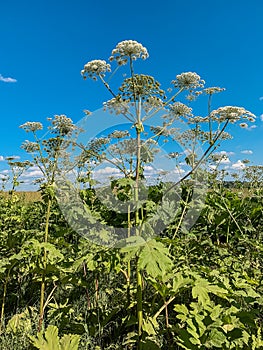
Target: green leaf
(179,281)
(200,291)
(217,338)
(48,341)
(70,342)
(154,258)
(182,309)
(19,322)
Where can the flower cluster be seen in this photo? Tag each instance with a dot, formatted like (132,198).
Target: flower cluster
(95,68)
(62,125)
(197,120)
(152,102)
(116,105)
(179,109)
(31,126)
(119,134)
(140,86)
(213,90)
(128,49)
(188,81)
(30,147)
(232,113)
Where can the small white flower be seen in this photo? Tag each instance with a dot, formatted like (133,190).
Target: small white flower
(243,125)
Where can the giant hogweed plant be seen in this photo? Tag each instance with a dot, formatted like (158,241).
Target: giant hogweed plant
(46,153)
(158,272)
(139,99)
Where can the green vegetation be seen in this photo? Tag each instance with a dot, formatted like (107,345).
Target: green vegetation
(77,274)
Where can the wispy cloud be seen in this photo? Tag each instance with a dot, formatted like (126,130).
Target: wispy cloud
(2,158)
(7,80)
(252,127)
(261,98)
(247,151)
(261,117)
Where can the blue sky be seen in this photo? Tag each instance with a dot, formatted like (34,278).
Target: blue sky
(45,43)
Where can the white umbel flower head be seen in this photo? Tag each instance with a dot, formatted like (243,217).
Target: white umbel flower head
(95,68)
(179,109)
(128,49)
(31,126)
(232,113)
(188,81)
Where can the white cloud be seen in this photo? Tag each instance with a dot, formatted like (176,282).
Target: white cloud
(247,151)
(7,80)
(261,117)
(226,153)
(148,168)
(2,158)
(224,160)
(251,127)
(32,168)
(107,171)
(238,165)
(33,173)
(5,171)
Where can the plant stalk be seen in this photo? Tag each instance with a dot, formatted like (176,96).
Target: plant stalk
(43,281)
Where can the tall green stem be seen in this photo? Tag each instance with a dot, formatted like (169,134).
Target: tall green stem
(139,302)
(139,129)
(43,280)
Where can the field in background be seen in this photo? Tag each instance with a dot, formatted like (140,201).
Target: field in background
(30,196)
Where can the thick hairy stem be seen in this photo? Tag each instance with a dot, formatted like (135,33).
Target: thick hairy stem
(137,222)
(129,263)
(139,303)
(43,280)
(86,289)
(137,178)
